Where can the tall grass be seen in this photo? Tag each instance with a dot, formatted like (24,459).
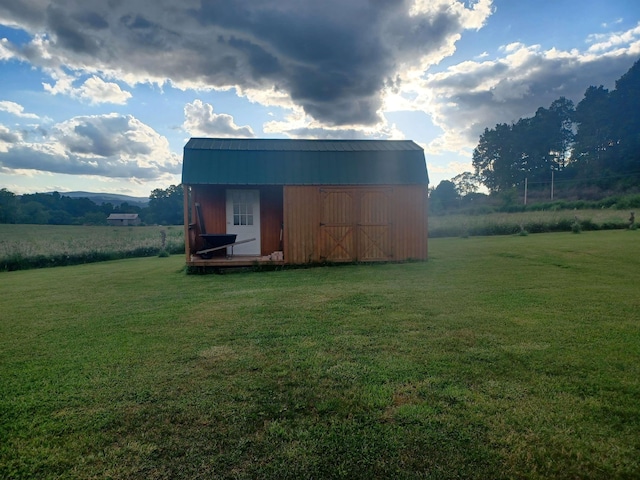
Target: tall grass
(459,225)
(35,246)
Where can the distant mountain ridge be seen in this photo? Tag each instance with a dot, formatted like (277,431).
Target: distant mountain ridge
(113,198)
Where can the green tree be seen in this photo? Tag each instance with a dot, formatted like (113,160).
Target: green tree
(33,212)
(8,206)
(60,217)
(625,100)
(93,218)
(166,206)
(594,139)
(528,149)
(562,118)
(466,183)
(498,158)
(444,196)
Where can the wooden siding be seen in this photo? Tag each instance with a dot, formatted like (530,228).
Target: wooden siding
(337,229)
(301,220)
(188,236)
(332,224)
(270,219)
(212,200)
(360,223)
(375,225)
(410,222)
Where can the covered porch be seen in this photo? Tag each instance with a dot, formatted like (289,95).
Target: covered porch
(231,226)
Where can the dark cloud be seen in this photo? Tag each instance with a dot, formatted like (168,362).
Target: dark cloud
(7,136)
(92,20)
(26,158)
(333,58)
(71,33)
(103,136)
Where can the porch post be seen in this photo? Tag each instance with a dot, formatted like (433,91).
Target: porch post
(187,248)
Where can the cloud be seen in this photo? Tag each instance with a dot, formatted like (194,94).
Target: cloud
(468,97)
(112,145)
(94,90)
(334,68)
(201,121)
(450,168)
(605,42)
(97,90)
(15,109)
(299,125)
(7,138)
(336,77)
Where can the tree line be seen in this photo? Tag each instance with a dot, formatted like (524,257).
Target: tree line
(583,151)
(595,143)
(165,207)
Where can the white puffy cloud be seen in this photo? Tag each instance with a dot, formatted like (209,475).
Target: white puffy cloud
(16,109)
(201,121)
(94,90)
(113,146)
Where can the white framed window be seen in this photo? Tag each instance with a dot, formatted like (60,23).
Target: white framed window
(242,208)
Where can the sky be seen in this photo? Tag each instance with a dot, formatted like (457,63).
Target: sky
(102,95)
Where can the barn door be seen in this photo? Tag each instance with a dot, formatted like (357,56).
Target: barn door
(337,225)
(374,227)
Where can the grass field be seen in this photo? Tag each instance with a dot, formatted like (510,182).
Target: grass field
(34,246)
(28,246)
(457,225)
(500,357)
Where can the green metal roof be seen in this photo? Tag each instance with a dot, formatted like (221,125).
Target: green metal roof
(226,161)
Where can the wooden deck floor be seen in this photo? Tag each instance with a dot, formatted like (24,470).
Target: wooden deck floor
(234,261)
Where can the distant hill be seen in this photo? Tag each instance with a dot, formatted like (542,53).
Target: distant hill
(113,198)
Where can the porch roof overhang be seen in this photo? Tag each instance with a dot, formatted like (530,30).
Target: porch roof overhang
(302,162)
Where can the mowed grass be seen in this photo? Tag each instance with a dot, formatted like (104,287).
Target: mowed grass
(500,357)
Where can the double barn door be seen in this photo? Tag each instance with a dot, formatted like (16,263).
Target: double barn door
(355,225)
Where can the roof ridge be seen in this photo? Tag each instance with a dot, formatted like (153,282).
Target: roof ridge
(299,144)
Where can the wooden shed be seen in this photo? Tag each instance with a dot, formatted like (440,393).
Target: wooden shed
(123,219)
(303,201)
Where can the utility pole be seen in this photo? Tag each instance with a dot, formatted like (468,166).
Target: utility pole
(552,171)
(525,191)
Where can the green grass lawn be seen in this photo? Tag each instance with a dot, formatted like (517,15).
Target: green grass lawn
(500,357)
